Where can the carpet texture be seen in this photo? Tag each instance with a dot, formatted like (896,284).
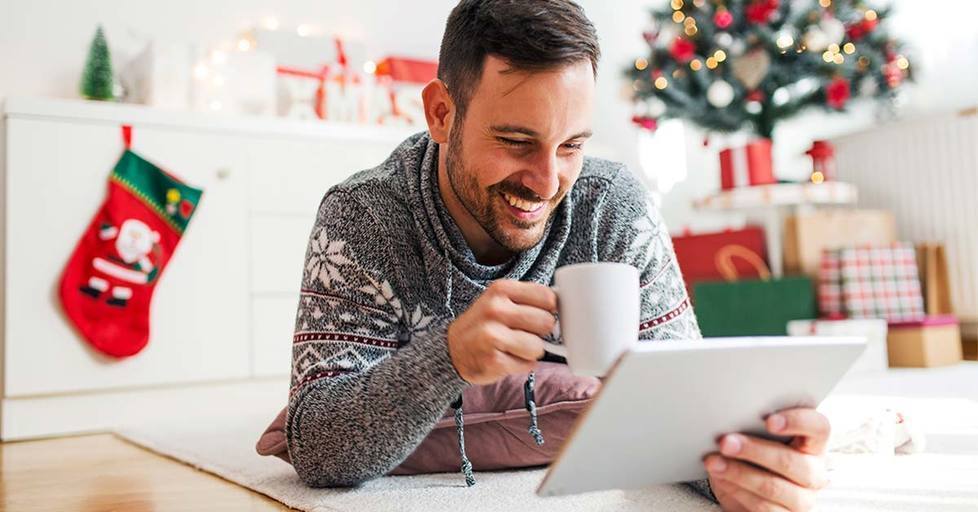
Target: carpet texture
(942,478)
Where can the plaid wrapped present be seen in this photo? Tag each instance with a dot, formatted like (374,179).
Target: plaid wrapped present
(875,282)
(830,285)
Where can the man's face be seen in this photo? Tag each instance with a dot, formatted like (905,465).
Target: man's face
(518,150)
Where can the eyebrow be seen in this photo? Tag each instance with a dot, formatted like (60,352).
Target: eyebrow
(511,128)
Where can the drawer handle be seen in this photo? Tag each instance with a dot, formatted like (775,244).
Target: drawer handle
(223,174)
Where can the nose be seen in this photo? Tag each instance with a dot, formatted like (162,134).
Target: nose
(543,177)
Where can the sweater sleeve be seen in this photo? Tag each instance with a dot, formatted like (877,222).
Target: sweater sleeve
(633,232)
(370,377)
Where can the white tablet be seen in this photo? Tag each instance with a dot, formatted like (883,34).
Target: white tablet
(665,403)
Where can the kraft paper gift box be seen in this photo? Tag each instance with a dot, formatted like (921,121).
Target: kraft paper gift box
(932,266)
(927,342)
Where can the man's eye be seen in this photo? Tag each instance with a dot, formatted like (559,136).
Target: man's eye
(574,146)
(514,142)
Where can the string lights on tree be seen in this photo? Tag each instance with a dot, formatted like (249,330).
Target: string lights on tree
(729,65)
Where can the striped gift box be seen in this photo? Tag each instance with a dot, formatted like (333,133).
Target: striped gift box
(830,285)
(876,282)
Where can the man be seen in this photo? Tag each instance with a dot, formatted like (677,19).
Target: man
(429,272)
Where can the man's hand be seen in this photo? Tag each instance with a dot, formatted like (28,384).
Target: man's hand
(501,332)
(754,474)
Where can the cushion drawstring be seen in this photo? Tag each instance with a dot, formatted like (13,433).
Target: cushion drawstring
(459,428)
(531,406)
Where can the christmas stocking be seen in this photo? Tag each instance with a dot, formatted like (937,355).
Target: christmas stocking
(108,284)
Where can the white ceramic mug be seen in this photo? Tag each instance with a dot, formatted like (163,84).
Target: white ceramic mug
(598,305)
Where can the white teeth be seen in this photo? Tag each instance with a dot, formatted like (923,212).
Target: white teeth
(526,206)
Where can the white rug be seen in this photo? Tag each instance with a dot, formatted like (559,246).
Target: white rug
(227,449)
(944,478)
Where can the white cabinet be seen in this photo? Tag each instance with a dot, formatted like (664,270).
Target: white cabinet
(224,307)
(55,184)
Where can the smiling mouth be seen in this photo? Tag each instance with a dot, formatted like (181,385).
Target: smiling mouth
(522,204)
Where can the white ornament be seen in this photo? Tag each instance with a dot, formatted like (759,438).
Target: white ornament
(785,39)
(655,107)
(724,39)
(780,96)
(720,94)
(829,31)
(815,40)
(834,30)
(753,107)
(738,47)
(869,87)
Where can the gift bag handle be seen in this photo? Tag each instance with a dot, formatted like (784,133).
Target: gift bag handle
(725,265)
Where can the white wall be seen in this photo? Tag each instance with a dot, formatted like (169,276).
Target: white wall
(43,44)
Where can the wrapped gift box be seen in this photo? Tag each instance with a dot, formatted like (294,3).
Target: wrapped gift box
(746,165)
(931,341)
(697,254)
(873,359)
(400,81)
(881,282)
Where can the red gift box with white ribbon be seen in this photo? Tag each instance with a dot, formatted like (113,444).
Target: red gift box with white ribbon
(746,165)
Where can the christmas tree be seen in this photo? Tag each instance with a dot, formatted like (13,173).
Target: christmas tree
(96,82)
(728,65)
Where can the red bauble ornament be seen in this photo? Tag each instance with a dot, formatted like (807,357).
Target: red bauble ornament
(682,50)
(722,19)
(755,95)
(837,93)
(893,75)
(760,11)
(857,31)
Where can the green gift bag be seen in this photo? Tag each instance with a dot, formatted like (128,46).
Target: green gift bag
(754,307)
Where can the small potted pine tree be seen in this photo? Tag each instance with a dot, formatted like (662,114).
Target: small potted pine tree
(96,81)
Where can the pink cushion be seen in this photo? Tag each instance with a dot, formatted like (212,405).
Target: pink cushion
(496,423)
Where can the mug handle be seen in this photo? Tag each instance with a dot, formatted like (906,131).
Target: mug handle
(554,348)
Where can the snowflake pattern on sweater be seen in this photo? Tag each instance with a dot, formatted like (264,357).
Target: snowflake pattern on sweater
(387,270)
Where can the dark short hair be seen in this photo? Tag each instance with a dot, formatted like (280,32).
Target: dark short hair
(530,35)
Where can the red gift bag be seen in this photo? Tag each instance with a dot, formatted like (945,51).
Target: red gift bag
(697,254)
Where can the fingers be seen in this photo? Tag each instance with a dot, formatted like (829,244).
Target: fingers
(766,486)
(810,425)
(521,344)
(754,503)
(530,319)
(526,293)
(801,468)
(503,363)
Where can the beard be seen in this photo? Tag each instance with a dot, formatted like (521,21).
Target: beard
(486,205)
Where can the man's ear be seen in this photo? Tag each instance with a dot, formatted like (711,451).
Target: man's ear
(439,110)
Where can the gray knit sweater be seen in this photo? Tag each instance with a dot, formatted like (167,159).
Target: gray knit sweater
(387,270)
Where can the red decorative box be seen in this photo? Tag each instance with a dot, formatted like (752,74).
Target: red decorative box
(747,165)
